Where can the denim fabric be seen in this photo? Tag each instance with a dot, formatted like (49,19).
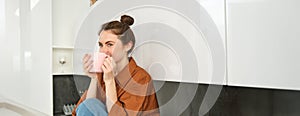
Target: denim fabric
(91,107)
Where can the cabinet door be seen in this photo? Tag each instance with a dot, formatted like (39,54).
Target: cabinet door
(25,47)
(263,43)
(176,40)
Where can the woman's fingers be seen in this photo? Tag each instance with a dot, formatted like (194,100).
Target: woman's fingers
(113,63)
(108,65)
(86,58)
(87,66)
(104,68)
(87,63)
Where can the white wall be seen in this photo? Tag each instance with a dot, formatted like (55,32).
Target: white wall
(66,16)
(26,53)
(263,43)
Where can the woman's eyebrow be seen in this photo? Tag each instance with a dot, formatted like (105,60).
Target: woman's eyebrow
(109,42)
(100,44)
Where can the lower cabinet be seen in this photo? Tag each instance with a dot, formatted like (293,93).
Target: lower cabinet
(67,90)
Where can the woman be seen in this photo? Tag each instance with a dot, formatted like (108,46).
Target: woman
(123,88)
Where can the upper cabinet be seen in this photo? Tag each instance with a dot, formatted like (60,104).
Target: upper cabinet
(176,40)
(263,43)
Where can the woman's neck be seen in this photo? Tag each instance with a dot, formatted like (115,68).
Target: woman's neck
(122,64)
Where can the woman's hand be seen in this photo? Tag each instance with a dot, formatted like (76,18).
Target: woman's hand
(109,72)
(87,66)
(109,69)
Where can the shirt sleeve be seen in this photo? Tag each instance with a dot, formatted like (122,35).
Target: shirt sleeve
(99,96)
(80,101)
(136,98)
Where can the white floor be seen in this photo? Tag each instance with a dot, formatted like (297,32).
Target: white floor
(9,108)
(7,112)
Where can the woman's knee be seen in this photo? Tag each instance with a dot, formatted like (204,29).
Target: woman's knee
(91,107)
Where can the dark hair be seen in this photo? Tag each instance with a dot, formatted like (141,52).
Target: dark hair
(122,29)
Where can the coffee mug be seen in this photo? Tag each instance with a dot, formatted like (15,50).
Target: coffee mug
(98,60)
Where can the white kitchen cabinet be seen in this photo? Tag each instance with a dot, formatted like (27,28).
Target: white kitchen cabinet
(182,41)
(25,47)
(263,43)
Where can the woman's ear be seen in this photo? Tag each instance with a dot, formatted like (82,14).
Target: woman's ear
(128,46)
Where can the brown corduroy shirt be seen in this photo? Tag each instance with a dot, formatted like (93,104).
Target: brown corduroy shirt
(135,93)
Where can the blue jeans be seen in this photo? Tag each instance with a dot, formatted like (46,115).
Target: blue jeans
(91,107)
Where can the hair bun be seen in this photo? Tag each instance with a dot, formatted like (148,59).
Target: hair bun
(127,20)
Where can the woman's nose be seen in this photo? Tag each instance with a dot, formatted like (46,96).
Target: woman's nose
(103,49)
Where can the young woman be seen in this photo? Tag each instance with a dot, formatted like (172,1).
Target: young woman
(123,88)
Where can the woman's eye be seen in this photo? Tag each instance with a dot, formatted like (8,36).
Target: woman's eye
(100,44)
(109,45)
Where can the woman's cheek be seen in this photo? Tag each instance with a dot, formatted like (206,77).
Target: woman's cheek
(109,54)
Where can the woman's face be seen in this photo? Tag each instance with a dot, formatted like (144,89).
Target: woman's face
(112,46)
